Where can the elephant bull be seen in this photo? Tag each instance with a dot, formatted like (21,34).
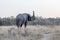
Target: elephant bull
(22,19)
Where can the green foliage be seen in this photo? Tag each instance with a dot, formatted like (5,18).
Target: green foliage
(0,21)
(37,21)
(7,21)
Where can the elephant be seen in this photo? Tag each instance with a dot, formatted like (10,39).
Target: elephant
(22,19)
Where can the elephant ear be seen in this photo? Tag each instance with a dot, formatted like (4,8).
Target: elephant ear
(29,18)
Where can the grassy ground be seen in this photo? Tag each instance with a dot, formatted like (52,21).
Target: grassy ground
(30,33)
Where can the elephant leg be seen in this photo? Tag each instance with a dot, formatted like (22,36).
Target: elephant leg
(18,26)
(20,23)
(25,24)
(17,23)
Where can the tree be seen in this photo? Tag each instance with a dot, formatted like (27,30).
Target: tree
(0,21)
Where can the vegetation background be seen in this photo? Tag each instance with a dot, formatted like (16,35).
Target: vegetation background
(38,21)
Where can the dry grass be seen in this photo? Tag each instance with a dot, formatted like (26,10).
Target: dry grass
(30,33)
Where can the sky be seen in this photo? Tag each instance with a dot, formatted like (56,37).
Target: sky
(44,8)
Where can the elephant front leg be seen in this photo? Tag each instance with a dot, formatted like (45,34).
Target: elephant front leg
(25,24)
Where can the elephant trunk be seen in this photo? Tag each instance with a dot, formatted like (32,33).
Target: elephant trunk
(33,17)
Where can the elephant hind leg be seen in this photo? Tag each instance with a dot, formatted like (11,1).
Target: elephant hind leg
(17,23)
(18,26)
(21,25)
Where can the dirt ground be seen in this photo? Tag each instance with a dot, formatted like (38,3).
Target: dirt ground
(36,32)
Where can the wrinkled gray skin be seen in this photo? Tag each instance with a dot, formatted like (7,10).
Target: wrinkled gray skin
(22,19)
